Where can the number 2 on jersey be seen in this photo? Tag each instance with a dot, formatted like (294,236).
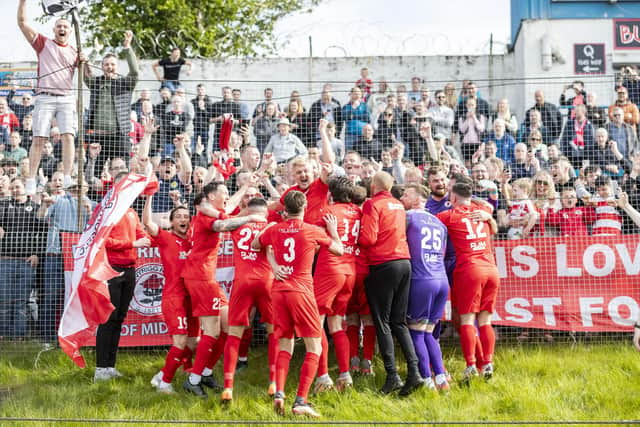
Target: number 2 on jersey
(245,235)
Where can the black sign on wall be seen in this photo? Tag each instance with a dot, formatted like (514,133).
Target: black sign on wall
(589,58)
(626,33)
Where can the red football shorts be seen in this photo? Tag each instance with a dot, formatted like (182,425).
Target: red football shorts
(332,292)
(177,315)
(358,302)
(207,297)
(475,290)
(295,313)
(248,294)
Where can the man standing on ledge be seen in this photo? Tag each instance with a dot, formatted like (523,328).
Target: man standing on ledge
(383,234)
(110,104)
(56,63)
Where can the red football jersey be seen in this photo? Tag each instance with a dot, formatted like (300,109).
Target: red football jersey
(383,232)
(471,239)
(294,243)
(348,216)
(173,253)
(317,199)
(249,263)
(202,260)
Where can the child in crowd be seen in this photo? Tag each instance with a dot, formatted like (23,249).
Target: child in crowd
(571,220)
(608,221)
(522,215)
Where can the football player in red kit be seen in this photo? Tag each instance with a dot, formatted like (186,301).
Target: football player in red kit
(295,311)
(251,288)
(476,275)
(333,282)
(176,304)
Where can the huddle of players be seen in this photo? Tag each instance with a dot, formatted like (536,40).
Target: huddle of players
(273,272)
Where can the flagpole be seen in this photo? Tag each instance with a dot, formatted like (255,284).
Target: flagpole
(80,112)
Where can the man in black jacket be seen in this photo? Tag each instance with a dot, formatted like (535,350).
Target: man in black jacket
(328,108)
(551,117)
(110,103)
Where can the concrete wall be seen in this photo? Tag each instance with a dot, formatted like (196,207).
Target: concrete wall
(563,33)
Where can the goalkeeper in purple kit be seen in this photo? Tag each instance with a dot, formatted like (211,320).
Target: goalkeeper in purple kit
(427,239)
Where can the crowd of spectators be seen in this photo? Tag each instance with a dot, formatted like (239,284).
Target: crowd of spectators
(546,174)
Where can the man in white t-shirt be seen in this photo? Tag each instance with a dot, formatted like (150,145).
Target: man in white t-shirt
(56,64)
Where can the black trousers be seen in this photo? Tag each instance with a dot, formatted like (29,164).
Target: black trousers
(387,289)
(108,336)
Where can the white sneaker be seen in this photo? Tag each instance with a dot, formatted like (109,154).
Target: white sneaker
(429,384)
(157,379)
(322,384)
(115,373)
(30,186)
(344,381)
(101,374)
(165,388)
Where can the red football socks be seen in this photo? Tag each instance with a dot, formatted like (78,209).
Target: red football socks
(468,343)
(341,347)
(272,353)
(282,369)
(323,365)
(368,342)
(353,332)
(203,353)
(172,363)
(231,348)
(245,342)
(307,374)
(488,339)
(218,349)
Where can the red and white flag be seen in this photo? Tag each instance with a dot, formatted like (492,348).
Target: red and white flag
(89,304)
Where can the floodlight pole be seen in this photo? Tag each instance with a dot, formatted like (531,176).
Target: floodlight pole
(80,112)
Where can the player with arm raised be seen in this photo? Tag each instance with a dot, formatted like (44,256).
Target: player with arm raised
(176,303)
(251,288)
(199,273)
(295,311)
(475,276)
(315,191)
(333,283)
(427,239)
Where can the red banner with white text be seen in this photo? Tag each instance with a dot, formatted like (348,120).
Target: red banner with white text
(572,284)
(578,284)
(144,325)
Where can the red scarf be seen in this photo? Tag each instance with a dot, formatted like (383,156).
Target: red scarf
(579,139)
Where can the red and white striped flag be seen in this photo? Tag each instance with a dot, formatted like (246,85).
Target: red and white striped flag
(89,304)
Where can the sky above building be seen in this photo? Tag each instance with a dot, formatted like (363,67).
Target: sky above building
(346,28)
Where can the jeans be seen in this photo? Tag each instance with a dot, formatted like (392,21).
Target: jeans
(51,301)
(172,85)
(16,279)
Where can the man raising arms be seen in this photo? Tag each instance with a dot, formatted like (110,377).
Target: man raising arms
(56,63)
(207,299)
(176,303)
(295,310)
(475,275)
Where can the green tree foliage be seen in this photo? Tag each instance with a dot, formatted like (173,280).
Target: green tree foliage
(202,28)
